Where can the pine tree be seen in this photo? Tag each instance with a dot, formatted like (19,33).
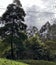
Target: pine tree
(14,26)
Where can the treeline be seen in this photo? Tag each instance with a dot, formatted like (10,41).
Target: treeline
(18,42)
(30,48)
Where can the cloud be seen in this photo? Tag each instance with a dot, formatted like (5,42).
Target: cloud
(35,16)
(3,5)
(50,5)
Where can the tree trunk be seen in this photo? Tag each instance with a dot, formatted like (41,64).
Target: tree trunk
(12,54)
(12,32)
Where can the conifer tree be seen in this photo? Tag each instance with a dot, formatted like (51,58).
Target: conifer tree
(14,26)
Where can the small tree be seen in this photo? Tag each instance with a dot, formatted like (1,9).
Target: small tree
(14,26)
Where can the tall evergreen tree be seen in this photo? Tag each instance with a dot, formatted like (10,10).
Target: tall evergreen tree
(14,26)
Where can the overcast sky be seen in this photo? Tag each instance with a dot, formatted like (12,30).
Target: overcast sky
(41,5)
(46,5)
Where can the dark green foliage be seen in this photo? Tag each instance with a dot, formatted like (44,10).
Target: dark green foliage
(34,49)
(51,44)
(45,27)
(4,48)
(52,47)
(14,27)
(52,32)
(48,32)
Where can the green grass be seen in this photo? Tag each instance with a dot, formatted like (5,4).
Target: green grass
(10,62)
(39,62)
(25,62)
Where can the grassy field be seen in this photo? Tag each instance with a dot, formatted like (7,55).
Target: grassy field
(25,62)
(10,62)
